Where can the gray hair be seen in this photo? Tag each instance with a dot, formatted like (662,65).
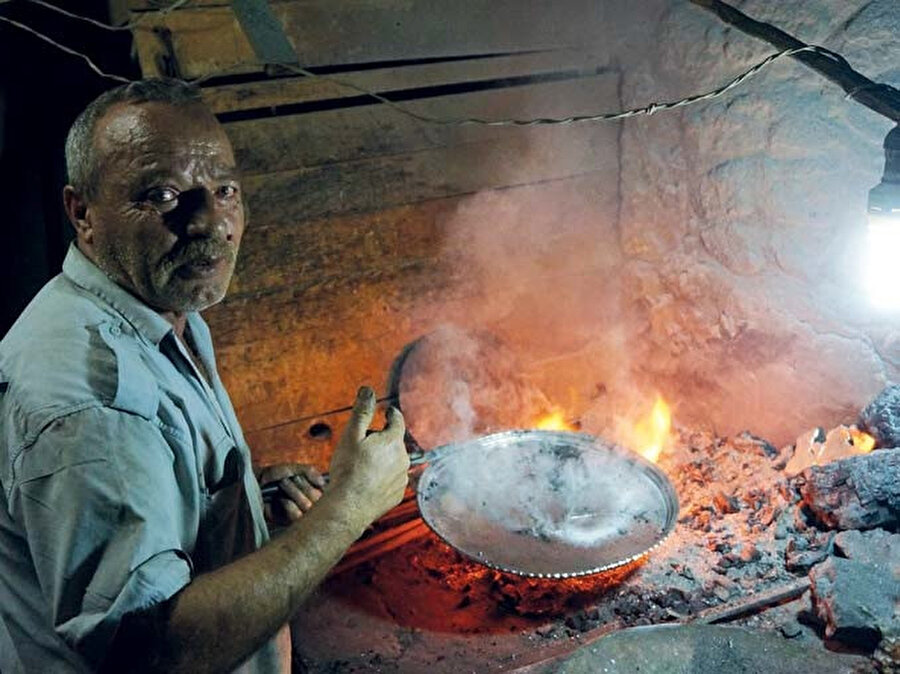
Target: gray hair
(82,163)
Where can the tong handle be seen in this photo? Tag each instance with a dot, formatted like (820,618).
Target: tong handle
(271,489)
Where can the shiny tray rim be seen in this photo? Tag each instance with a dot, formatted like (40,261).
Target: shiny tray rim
(653,472)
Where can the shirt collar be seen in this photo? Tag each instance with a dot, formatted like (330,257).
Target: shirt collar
(85,274)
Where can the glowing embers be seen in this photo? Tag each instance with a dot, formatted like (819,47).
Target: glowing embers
(817,448)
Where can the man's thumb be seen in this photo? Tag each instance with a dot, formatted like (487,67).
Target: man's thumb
(361,416)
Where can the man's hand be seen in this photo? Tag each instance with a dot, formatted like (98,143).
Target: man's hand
(300,487)
(222,616)
(370,468)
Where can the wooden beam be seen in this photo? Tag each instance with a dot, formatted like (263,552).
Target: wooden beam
(881,98)
(231,98)
(208,40)
(374,183)
(309,140)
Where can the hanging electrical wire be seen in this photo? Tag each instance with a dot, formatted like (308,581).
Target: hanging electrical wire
(597,117)
(645,110)
(105,26)
(93,66)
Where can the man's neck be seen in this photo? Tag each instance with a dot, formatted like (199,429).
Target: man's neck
(178,319)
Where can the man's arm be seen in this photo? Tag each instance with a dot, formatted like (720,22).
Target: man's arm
(223,617)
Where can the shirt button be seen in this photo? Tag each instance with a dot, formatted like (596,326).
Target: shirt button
(115,331)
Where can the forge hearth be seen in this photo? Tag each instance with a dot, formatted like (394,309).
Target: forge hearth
(741,553)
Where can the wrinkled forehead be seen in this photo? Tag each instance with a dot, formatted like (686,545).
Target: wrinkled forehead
(132,137)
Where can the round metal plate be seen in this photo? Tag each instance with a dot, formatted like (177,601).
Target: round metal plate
(546,503)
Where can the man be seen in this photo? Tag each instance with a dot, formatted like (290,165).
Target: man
(131,526)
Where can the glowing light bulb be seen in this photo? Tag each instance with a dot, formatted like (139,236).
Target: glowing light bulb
(883,264)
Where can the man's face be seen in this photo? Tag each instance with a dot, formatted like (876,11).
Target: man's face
(168,215)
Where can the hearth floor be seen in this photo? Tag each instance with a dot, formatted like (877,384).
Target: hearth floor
(425,608)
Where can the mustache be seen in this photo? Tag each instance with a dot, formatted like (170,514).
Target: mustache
(200,250)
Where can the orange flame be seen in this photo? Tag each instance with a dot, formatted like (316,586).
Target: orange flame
(651,433)
(862,441)
(553,421)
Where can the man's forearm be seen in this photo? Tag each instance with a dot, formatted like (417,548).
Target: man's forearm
(223,617)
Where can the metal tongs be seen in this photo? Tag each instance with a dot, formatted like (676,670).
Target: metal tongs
(417,457)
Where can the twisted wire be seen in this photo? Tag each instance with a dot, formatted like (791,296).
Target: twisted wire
(646,110)
(105,26)
(650,109)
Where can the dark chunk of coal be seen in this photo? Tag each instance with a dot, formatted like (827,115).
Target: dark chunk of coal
(726,504)
(876,547)
(745,440)
(801,561)
(855,601)
(790,629)
(881,417)
(859,492)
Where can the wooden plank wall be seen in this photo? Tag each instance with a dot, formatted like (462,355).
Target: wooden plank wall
(347,257)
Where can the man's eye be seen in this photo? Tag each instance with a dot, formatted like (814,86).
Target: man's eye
(227,191)
(161,195)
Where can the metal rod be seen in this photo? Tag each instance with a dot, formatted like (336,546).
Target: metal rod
(752,604)
(310,417)
(879,97)
(272,489)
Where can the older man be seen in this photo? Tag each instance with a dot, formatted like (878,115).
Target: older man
(132,535)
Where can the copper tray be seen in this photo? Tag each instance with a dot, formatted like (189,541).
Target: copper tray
(546,504)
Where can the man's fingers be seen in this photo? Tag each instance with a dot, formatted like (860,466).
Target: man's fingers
(361,417)
(295,494)
(311,492)
(291,509)
(312,475)
(396,425)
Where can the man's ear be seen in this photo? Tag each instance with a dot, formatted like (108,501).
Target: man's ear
(76,208)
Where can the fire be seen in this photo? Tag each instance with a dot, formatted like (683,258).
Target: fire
(651,433)
(553,421)
(817,448)
(862,441)
(647,437)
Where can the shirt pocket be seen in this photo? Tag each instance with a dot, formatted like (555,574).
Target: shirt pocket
(226,528)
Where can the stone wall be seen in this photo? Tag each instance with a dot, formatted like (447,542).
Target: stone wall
(742,220)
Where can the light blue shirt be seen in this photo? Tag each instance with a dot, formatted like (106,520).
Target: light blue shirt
(124,472)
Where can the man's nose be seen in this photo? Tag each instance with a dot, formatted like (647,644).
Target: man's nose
(206,218)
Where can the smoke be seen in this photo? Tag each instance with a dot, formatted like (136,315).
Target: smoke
(539,323)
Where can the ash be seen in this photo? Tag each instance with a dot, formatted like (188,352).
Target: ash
(736,526)
(740,532)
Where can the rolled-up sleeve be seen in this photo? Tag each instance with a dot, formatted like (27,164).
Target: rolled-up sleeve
(103,512)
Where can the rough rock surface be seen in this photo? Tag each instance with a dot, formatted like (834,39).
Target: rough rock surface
(856,593)
(742,218)
(881,417)
(856,601)
(859,492)
(724,268)
(876,547)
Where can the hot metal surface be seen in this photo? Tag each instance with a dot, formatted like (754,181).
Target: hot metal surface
(546,504)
